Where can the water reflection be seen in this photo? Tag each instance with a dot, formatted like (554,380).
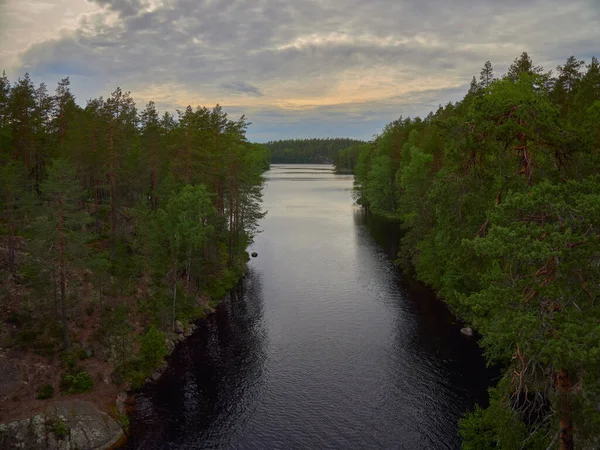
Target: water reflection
(211,379)
(325,345)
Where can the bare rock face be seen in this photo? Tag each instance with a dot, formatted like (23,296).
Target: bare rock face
(68,425)
(170,345)
(189,330)
(10,377)
(178,327)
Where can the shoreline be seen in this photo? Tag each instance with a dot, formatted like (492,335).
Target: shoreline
(108,402)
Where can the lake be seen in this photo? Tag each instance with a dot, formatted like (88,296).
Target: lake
(323,345)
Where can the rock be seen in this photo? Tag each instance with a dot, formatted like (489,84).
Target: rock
(467,331)
(178,327)
(69,425)
(156,374)
(170,345)
(10,377)
(189,330)
(121,399)
(254,254)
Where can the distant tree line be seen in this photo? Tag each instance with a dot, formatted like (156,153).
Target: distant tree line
(307,151)
(499,195)
(114,220)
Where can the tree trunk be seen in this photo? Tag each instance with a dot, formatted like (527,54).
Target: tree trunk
(56,308)
(188,152)
(218,202)
(96,209)
(61,268)
(564,408)
(11,248)
(189,265)
(154,178)
(174,290)
(231,231)
(113,182)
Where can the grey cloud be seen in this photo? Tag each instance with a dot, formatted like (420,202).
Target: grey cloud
(208,47)
(239,87)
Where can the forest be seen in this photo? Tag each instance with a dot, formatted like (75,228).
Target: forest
(307,151)
(118,227)
(499,199)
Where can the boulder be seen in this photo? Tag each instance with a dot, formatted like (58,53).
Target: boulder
(121,399)
(467,331)
(178,327)
(68,425)
(189,330)
(170,345)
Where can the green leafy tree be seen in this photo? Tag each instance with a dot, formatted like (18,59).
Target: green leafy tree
(185,224)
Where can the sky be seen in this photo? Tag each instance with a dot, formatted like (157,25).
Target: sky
(295,68)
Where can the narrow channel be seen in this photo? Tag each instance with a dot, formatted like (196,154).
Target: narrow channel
(324,344)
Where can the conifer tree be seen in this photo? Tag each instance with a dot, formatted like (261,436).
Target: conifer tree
(487,75)
(60,229)
(521,66)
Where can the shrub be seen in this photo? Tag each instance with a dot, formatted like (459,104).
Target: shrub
(60,429)
(45,391)
(120,418)
(76,384)
(153,348)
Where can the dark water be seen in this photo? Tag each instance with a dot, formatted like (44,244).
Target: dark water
(324,345)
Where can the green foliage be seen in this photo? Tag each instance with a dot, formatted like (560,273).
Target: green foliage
(121,418)
(220,285)
(307,151)
(153,348)
(117,217)
(345,159)
(60,428)
(499,198)
(77,383)
(45,391)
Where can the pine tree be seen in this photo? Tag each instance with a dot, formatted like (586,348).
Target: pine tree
(22,109)
(151,135)
(185,224)
(64,111)
(12,194)
(4,101)
(60,229)
(487,75)
(474,88)
(522,65)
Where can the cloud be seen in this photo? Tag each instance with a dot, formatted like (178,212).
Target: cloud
(300,66)
(239,87)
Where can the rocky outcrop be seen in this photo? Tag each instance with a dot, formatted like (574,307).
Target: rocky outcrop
(189,330)
(467,331)
(10,377)
(178,327)
(68,425)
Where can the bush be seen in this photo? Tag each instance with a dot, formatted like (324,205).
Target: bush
(45,391)
(76,384)
(60,429)
(153,348)
(120,418)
